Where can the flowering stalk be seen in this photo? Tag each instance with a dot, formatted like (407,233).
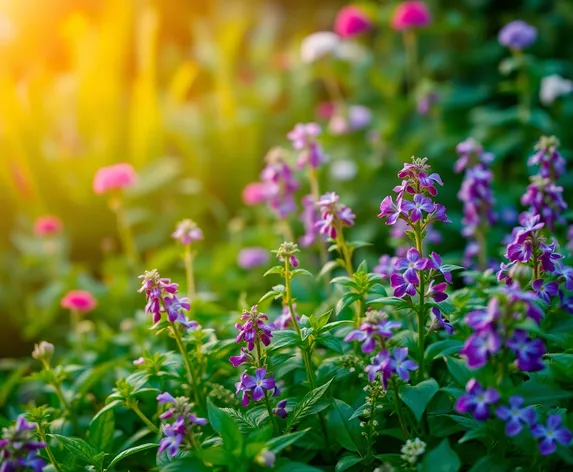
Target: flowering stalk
(189,369)
(398,408)
(44,439)
(186,233)
(132,405)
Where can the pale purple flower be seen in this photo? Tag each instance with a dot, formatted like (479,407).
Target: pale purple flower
(303,139)
(252,257)
(401,365)
(480,346)
(391,210)
(420,204)
(309,218)
(375,326)
(333,216)
(280,185)
(385,267)
(435,263)
(171,441)
(187,232)
(517,35)
(477,400)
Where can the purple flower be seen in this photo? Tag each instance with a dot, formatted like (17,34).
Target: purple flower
(411,265)
(420,204)
(254,387)
(385,267)
(528,351)
(401,286)
(427,182)
(545,199)
(439,214)
(477,400)
(174,307)
(437,292)
(435,263)
(401,365)
(240,359)
(171,441)
(484,319)
(156,288)
(515,416)
(549,257)
(303,139)
(280,185)
(545,290)
(19,448)
(517,35)
(376,326)
(391,210)
(187,232)
(551,434)
(380,364)
(442,321)
(309,218)
(252,257)
(480,346)
(280,409)
(551,163)
(333,217)
(519,252)
(254,328)
(165,397)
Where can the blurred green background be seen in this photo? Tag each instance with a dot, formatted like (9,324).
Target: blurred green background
(194,93)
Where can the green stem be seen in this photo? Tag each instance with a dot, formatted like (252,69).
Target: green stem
(523,87)
(271,415)
(369,455)
(125,233)
(314,188)
(398,409)
(190,373)
(482,244)
(144,418)
(189,273)
(44,439)
(411,47)
(344,251)
(421,307)
(359,312)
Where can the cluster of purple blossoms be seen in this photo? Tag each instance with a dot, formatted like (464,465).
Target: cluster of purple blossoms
(256,387)
(19,448)
(187,232)
(478,400)
(309,218)
(375,327)
(303,139)
(279,184)
(284,319)
(333,216)
(255,329)
(385,365)
(475,193)
(543,196)
(494,331)
(179,431)
(161,295)
(385,267)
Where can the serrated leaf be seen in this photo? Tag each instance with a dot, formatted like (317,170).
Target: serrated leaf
(131,451)
(245,422)
(304,406)
(78,448)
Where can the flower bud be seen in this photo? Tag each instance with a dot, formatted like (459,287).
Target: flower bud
(43,352)
(266,458)
(294,261)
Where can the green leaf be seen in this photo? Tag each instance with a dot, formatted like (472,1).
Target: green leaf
(245,422)
(536,392)
(269,294)
(443,348)
(348,431)
(452,267)
(331,342)
(129,452)
(301,272)
(459,370)
(490,464)
(225,426)
(390,301)
(335,324)
(78,447)
(9,383)
(327,268)
(304,406)
(441,459)
(277,444)
(215,456)
(284,338)
(284,465)
(274,270)
(378,289)
(346,462)
(346,300)
(319,321)
(184,464)
(102,427)
(90,377)
(417,397)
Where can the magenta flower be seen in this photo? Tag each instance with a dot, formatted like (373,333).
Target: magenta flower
(420,204)
(410,14)
(79,300)
(47,226)
(515,415)
(427,182)
(240,359)
(435,263)
(254,328)
(411,265)
(255,193)
(551,434)
(333,217)
(437,291)
(477,400)
(351,21)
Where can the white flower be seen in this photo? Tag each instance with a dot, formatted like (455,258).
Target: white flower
(318,45)
(343,170)
(552,87)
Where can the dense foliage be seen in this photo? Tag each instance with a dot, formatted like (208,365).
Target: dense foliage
(291,342)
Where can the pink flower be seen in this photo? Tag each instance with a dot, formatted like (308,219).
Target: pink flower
(114,177)
(47,225)
(79,300)
(254,193)
(411,14)
(351,21)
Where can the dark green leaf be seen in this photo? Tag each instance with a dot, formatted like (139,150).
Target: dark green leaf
(277,444)
(346,462)
(441,459)
(319,321)
(417,397)
(348,431)
(102,427)
(459,370)
(78,447)
(222,422)
(346,300)
(443,348)
(304,406)
(129,452)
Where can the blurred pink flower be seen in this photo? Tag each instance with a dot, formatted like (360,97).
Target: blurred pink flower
(411,14)
(47,225)
(351,21)
(114,177)
(79,300)
(254,193)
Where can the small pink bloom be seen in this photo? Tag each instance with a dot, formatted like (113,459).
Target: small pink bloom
(351,21)
(114,177)
(411,14)
(325,109)
(254,193)
(139,361)
(47,225)
(79,300)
